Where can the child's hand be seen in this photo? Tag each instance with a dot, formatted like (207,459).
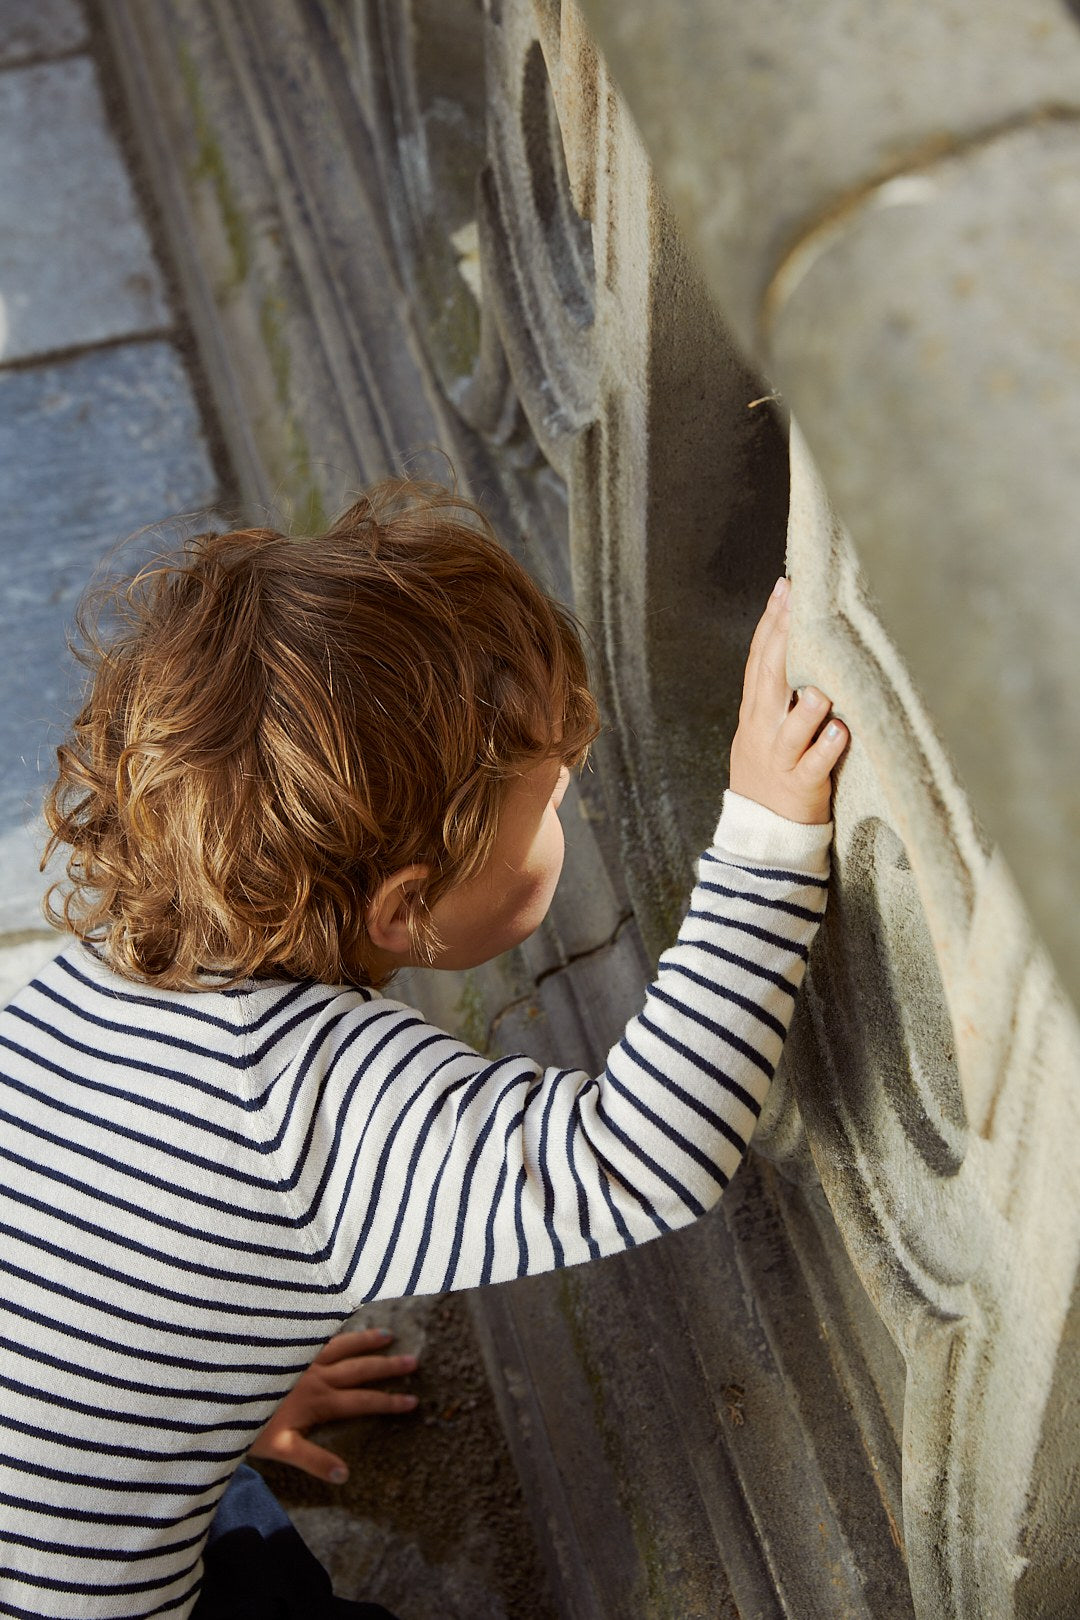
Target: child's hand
(783,756)
(327,1391)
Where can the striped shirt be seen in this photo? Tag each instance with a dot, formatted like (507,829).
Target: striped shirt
(198,1189)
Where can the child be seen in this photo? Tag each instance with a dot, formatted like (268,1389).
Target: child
(301,765)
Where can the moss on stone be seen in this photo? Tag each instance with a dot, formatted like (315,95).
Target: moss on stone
(272,330)
(209,165)
(450,312)
(305,492)
(298,479)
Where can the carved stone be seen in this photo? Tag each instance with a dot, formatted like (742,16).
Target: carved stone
(850,1390)
(886,203)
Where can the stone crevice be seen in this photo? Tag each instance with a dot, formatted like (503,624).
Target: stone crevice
(549,973)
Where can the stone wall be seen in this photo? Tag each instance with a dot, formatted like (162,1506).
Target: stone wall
(403,223)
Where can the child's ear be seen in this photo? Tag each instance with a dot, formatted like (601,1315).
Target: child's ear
(391,906)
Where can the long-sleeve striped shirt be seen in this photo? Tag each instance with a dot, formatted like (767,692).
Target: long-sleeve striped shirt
(198,1189)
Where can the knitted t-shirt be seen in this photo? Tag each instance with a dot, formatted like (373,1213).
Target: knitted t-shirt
(197,1189)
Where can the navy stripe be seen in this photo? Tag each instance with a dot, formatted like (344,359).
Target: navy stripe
(217,1054)
(702,1065)
(743,962)
(183,1329)
(573,1126)
(126,1521)
(778,942)
(753,1008)
(802,912)
(46,1583)
(434,1109)
(372,1192)
(683,1143)
(186,1008)
(279,1186)
(477,1083)
(545,1177)
(143,1353)
(720,1031)
(519,1222)
(644,1158)
(133,1555)
(511,1131)
(205,1396)
(470,1169)
(50,1397)
(102,1449)
(168,1607)
(342,1115)
(177,1262)
(496,1200)
(23,1465)
(223,1133)
(659,1170)
(140,1284)
(775,874)
(715,1121)
(606,1174)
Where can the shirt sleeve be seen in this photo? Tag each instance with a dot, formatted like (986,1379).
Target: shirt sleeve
(431,1167)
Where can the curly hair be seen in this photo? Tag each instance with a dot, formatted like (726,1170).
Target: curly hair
(273,725)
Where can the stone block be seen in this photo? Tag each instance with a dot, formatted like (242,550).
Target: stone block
(35,28)
(75,260)
(91,450)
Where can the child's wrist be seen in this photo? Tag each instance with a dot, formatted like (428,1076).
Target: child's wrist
(752,832)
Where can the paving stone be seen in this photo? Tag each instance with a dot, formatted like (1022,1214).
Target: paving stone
(32,28)
(75,261)
(92,450)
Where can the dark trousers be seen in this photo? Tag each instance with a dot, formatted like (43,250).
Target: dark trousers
(257,1566)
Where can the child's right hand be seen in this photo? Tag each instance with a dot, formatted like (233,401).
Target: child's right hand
(782,755)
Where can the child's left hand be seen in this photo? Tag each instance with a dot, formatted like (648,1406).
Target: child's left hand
(330,1390)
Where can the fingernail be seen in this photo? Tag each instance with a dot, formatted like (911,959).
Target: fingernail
(384,1333)
(339,1475)
(780,588)
(812,699)
(410,1362)
(411,1401)
(832,731)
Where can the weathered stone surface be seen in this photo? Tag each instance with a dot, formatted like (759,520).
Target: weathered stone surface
(934,1058)
(884,203)
(62,181)
(91,450)
(34,28)
(950,298)
(814,1402)
(398,1533)
(761,118)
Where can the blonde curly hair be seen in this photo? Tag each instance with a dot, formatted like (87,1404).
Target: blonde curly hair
(273,725)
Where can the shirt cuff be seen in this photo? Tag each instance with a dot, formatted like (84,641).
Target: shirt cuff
(750,832)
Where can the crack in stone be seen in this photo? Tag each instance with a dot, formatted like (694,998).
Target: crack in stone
(920,162)
(76,351)
(549,973)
